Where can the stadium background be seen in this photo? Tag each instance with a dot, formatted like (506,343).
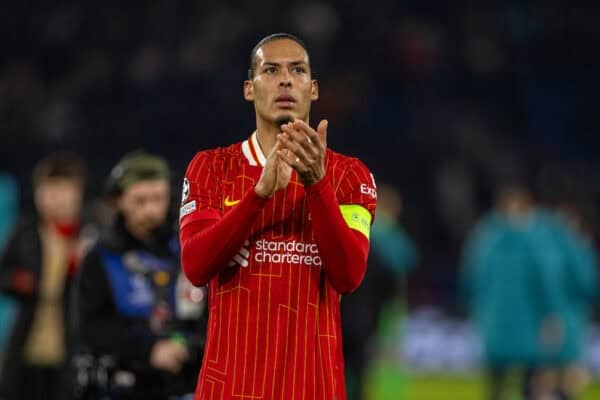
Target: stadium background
(441,99)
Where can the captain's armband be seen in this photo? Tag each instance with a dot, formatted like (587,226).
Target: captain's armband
(357,217)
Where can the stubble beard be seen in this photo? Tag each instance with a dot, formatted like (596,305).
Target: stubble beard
(284,119)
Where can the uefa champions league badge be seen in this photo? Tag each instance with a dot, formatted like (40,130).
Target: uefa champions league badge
(185,192)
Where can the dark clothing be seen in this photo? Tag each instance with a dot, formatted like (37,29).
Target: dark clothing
(360,316)
(39,382)
(122,311)
(23,255)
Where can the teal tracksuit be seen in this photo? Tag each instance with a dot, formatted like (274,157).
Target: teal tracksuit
(518,275)
(8,216)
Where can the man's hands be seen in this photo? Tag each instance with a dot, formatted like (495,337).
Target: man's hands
(298,147)
(241,257)
(168,355)
(275,175)
(303,149)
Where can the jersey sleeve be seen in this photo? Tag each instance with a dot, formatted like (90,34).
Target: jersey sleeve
(357,196)
(209,238)
(341,222)
(201,193)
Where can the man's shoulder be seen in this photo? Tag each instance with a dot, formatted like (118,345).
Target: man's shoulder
(342,163)
(217,155)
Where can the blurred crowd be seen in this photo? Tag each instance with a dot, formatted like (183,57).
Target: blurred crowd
(447,102)
(91,313)
(442,100)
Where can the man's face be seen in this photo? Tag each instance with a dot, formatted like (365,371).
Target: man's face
(282,88)
(145,204)
(515,202)
(59,199)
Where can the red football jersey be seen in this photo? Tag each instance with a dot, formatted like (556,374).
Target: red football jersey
(274,327)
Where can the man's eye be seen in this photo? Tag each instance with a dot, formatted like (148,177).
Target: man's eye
(299,70)
(270,70)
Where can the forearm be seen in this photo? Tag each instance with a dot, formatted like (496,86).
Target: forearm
(344,250)
(207,245)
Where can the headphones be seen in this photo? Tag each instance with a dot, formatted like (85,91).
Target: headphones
(135,167)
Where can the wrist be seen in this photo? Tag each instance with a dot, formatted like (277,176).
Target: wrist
(260,192)
(317,186)
(312,179)
(308,183)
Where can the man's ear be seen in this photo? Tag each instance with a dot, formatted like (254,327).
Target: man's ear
(248,90)
(314,90)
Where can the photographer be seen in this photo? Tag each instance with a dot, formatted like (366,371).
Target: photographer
(130,326)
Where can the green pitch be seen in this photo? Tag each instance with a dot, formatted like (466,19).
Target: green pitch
(394,385)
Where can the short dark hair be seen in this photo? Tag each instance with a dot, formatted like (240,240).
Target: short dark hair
(134,167)
(60,165)
(267,39)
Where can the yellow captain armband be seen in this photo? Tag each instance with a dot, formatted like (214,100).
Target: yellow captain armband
(357,217)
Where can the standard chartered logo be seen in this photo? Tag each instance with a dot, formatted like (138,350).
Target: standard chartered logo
(292,252)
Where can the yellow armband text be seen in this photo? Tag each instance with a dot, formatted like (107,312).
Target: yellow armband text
(357,217)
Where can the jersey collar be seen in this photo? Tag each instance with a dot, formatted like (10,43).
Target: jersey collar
(252,151)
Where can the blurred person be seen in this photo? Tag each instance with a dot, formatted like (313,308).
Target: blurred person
(390,240)
(138,317)
(576,289)
(278,226)
(9,207)
(392,254)
(36,271)
(515,270)
(8,217)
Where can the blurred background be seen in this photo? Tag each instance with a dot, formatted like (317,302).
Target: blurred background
(448,103)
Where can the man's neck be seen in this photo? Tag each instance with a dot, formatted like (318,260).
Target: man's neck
(139,233)
(64,227)
(266,134)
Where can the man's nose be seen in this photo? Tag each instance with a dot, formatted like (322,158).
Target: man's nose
(285,78)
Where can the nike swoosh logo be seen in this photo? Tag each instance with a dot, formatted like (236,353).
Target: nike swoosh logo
(230,203)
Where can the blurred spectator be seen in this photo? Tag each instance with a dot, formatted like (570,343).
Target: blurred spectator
(391,242)
(527,285)
(392,254)
(576,291)
(8,216)
(138,318)
(36,270)
(9,206)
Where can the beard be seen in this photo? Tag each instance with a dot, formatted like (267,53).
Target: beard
(284,119)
